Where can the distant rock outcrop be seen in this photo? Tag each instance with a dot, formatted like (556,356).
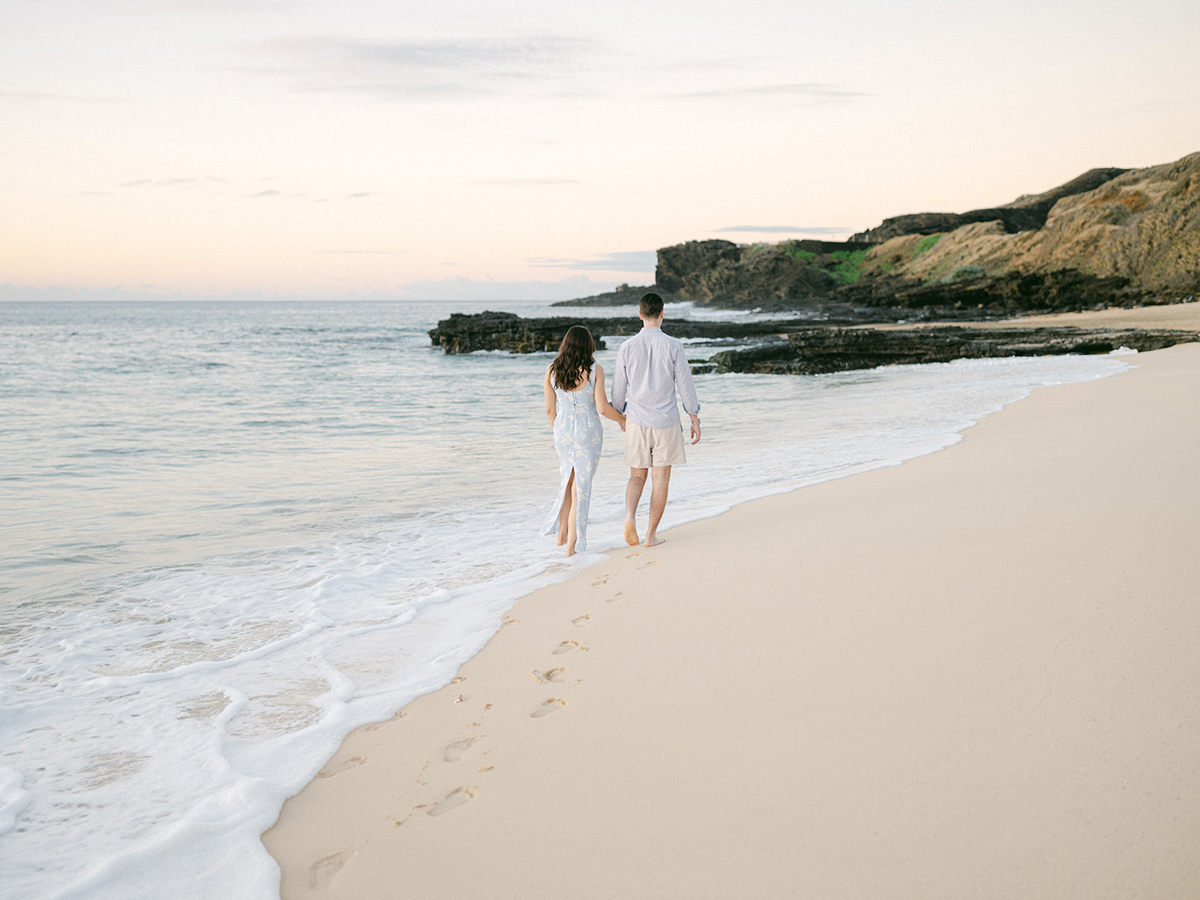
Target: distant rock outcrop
(621,295)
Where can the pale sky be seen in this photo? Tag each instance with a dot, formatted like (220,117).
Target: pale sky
(469,149)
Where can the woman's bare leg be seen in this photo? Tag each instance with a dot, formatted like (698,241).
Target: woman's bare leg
(572,525)
(564,512)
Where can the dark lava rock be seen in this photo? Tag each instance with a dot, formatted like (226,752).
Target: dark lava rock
(463,333)
(840,349)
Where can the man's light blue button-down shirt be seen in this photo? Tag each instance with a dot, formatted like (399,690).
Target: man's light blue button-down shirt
(650,366)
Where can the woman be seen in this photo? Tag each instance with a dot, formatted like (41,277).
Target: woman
(575,400)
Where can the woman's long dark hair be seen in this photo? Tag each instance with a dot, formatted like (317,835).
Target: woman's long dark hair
(575,358)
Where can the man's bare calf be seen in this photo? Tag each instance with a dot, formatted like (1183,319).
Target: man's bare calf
(660,482)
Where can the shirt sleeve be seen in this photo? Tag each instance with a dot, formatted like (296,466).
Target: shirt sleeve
(620,382)
(683,379)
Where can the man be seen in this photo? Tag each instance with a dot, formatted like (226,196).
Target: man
(650,367)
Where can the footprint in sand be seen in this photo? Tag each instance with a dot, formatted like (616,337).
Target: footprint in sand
(580,621)
(554,704)
(378,725)
(617,596)
(337,768)
(565,647)
(322,871)
(601,581)
(632,555)
(456,798)
(455,751)
(653,562)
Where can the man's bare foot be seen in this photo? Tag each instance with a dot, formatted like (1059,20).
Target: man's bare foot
(654,540)
(631,537)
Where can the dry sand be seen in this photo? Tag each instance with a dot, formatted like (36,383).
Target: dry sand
(971,676)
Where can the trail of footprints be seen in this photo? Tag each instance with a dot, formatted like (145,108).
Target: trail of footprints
(323,870)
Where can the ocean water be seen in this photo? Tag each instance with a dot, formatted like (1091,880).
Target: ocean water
(230,533)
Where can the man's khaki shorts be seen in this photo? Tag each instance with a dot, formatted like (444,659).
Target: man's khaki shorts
(646,447)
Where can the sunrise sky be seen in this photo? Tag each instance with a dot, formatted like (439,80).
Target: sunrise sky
(500,149)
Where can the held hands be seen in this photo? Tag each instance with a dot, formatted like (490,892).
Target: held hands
(621,422)
(695,430)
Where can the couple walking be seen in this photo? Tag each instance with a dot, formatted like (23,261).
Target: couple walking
(650,367)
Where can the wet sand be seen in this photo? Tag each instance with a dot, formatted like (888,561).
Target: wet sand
(972,675)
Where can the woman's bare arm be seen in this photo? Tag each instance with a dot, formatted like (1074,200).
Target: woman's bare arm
(605,408)
(551,403)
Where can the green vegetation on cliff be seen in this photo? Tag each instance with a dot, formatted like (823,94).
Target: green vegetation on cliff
(849,265)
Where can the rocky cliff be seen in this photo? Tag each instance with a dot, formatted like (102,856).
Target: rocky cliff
(1141,226)
(1109,237)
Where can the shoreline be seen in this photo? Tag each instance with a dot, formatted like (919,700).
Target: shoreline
(728,726)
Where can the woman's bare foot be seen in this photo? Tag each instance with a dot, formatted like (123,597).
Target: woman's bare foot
(653,540)
(571,549)
(562,537)
(631,537)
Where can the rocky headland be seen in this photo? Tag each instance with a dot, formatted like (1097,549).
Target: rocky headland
(1111,237)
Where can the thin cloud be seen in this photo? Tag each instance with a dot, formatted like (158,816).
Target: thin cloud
(37,96)
(523,182)
(442,68)
(814,93)
(362,252)
(627,261)
(271,193)
(172,182)
(358,194)
(785,229)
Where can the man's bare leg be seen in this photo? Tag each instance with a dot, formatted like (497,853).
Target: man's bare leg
(661,480)
(633,493)
(565,511)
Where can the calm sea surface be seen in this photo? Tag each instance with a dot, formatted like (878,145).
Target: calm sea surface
(232,532)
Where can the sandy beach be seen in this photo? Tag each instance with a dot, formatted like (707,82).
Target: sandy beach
(971,675)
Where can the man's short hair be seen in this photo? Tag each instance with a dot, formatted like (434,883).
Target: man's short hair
(650,306)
